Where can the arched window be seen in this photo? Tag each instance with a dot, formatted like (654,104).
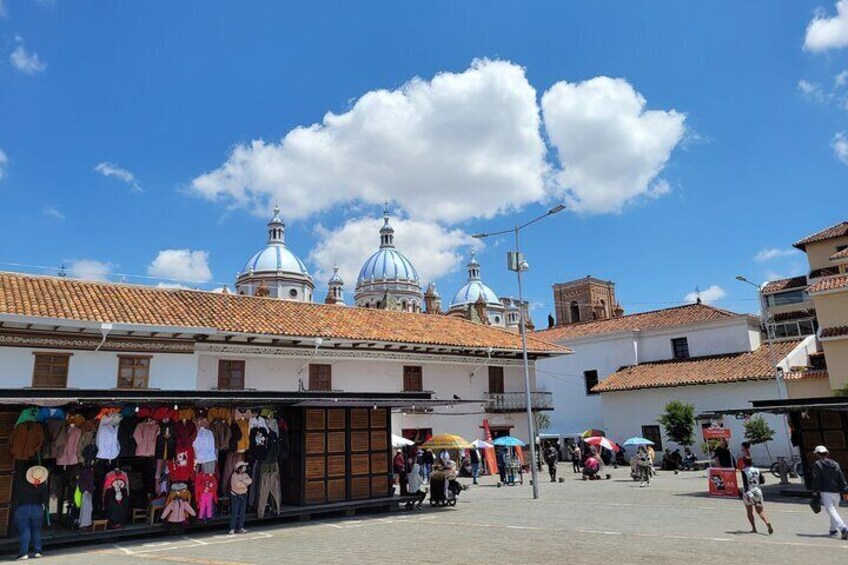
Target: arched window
(575,311)
(604,313)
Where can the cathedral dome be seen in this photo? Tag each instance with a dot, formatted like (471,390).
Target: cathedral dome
(387,264)
(474,288)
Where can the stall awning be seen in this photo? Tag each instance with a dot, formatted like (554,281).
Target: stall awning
(791,405)
(61,397)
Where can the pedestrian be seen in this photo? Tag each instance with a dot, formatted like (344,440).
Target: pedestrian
(643,464)
(752,498)
(474,458)
(429,459)
(416,486)
(576,458)
(444,456)
(828,482)
(399,469)
(500,458)
(722,456)
(745,451)
(31,497)
(551,457)
(239,485)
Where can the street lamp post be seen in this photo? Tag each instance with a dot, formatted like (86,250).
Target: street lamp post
(517,263)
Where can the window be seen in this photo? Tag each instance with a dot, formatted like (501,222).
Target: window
(133,371)
(783,298)
(51,370)
(412,379)
(320,377)
(496,380)
(841,248)
(230,374)
(293,293)
(575,311)
(591,378)
(653,433)
(680,348)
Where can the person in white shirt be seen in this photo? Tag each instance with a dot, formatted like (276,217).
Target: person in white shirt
(415,480)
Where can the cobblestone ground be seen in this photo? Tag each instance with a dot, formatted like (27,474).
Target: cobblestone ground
(672,521)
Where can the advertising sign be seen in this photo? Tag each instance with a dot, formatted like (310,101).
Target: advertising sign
(723,482)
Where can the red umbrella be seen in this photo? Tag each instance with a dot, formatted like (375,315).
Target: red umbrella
(603,442)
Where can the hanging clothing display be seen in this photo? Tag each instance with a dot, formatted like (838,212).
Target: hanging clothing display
(126,436)
(186,431)
(28,415)
(269,487)
(70,451)
(178,506)
(166,441)
(181,467)
(107,436)
(244,434)
(204,446)
(27,439)
(145,435)
(55,439)
(86,439)
(44,414)
(258,444)
(219,413)
(206,495)
(222,432)
(257,422)
(116,497)
(85,484)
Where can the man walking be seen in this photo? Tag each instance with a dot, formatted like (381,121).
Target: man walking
(551,456)
(576,456)
(474,458)
(829,483)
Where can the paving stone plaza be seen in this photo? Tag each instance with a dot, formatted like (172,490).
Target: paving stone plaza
(574,521)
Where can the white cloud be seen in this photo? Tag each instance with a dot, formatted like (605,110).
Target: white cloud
(111,170)
(24,61)
(173,286)
(4,163)
(432,249)
(611,148)
(825,32)
(711,294)
(89,269)
(53,212)
(462,145)
(839,144)
(181,265)
(772,253)
(812,91)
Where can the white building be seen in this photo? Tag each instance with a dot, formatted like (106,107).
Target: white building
(91,335)
(624,370)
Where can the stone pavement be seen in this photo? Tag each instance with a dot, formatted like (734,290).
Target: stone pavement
(672,521)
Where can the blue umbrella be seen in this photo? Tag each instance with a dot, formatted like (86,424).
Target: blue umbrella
(509,441)
(638,441)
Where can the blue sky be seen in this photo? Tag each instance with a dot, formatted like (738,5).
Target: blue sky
(127,131)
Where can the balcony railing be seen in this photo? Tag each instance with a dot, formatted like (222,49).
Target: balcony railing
(515,401)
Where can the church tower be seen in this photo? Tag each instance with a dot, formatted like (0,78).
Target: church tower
(335,288)
(584,300)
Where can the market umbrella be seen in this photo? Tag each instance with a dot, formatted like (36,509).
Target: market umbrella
(603,442)
(446,441)
(480,444)
(638,441)
(592,432)
(509,441)
(398,441)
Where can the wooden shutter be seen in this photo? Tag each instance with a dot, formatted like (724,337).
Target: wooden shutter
(133,371)
(320,377)
(412,379)
(50,370)
(230,374)
(496,380)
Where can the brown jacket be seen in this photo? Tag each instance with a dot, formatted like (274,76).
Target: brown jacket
(26,441)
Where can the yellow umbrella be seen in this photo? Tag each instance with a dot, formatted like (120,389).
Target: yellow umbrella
(591,432)
(446,441)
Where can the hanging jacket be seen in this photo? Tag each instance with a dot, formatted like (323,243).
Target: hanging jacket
(28,415)
(181,467)
(115,475)
(221,432)
(126,436)
(54,439)
(186,413)
(185,431)
(85,482)
(178,511)
(86,438)
(145,434)
(45,413)
(107,437)
(244,438)
(206,482)
(70,451)
(204,446)
(166,441)
(27,439)
(257,422)
(219,413)
(273,451)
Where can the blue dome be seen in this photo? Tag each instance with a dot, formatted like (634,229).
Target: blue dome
(469,294)
(387,263)
(275,258)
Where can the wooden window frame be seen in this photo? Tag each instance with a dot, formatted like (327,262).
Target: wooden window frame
(52,355)
(657,439)
(413,378)
(676,342)
(586,379)
(496,380)
(134,368)
(226,365)
(319,381)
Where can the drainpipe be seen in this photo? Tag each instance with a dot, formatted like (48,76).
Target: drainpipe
(105,328)
(318,342)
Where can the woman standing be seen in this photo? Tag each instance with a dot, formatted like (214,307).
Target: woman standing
(31,497)
(239,485)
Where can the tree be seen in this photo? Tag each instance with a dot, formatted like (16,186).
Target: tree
(679,422)
(758,431)
(543,421)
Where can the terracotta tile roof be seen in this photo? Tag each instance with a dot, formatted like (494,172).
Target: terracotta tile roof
(732,367)
(784,284)
(794,315)
(840,255)
(830,283)
(70,299)
(824,272)
(667,317)
(837,331)
(838,230)
(806,375)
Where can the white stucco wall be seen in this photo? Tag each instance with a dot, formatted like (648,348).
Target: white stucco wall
(626,412)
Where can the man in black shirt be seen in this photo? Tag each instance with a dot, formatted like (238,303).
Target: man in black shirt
(474,458)
(829,483)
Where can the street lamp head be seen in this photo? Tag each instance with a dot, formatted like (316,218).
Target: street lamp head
(741,278)
(479,235)
(524,266)
(556,209)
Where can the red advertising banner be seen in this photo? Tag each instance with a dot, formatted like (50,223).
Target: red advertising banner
(716,433)
(723,482)
(489,454)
